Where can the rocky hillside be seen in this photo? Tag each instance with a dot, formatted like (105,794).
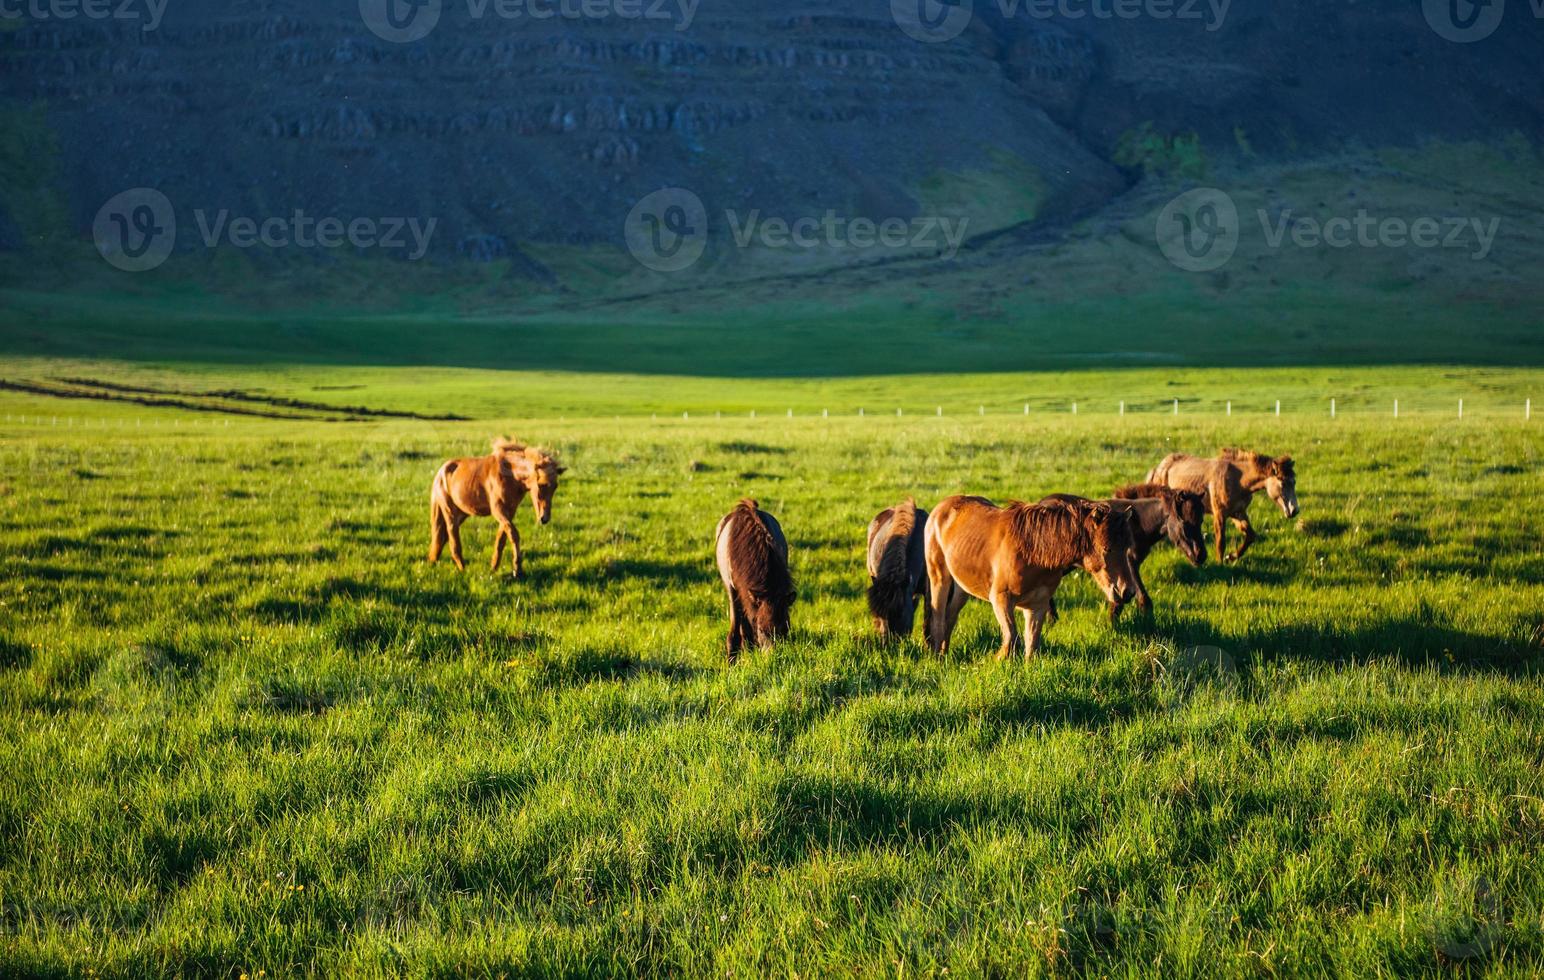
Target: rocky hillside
(524,138)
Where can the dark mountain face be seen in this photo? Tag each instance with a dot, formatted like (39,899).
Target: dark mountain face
(512,129)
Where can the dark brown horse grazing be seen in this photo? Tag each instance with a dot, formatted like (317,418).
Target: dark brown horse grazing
(897,567)
(1015,557)
(491,486)
(1156,513)
(1229,483)
(753,562)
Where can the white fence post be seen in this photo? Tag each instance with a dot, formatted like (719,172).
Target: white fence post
(1176,406)
(1123,409)
(1396,408)
(1074,408)
(1332,408)
(1230,408)
(940,411)
(1527,409)
(1460,408)
(1026,408)
(1278,408)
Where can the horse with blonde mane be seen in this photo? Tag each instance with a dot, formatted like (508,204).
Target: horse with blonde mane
(491,486)
(1016,556)
(1229,482)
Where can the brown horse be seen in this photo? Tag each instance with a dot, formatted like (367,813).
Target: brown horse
(1156,513)
(897,567)
(491,486)
(752,559)
(1015,557)
(1229,483)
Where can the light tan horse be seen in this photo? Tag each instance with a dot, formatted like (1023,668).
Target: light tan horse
(491,486)
(1229,482)
(1016,556)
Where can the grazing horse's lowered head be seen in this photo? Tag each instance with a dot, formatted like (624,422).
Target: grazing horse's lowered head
(1276,476)
(1182,514)
(536,469)
(752,556)
(897,567)
(1107,560)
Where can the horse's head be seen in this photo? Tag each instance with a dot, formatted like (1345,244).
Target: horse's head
(1183,511)
(1281,485)
(770,614)
(537,471)
(1108,561)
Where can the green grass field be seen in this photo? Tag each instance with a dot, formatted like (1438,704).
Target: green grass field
(246,730)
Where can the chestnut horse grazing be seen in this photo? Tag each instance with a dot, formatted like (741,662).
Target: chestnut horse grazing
(491,486)
(897,567)
(1229,483)
(752,559)
(1015,557)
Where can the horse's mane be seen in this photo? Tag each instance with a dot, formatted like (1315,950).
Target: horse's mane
(1051,533)
(753,553)
(892,583)
(1260,461)
(1143,491)
(506,446)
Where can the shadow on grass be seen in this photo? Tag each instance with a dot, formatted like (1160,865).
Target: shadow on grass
(1421,639)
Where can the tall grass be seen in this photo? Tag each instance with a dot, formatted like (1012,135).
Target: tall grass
(245,729)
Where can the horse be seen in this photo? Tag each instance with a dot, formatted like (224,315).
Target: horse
(752,559)
(1155,512)
(1229,482)
(491,486)
(897,567)
(1016,556)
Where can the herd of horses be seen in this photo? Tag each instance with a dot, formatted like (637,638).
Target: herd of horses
(1013,556)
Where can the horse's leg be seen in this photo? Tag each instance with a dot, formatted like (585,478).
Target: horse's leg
(940,586)
(1053,616)
(736,627)
(438,533)
(1220,528)
(1002,605)
(513,533)
(498,549)
(456,520)
(1034,627)
(1144,600)
(1247,536)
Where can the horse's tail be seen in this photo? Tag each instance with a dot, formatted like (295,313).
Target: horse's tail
(890,593)
(439,521)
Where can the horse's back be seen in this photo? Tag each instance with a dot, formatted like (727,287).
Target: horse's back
(724,540)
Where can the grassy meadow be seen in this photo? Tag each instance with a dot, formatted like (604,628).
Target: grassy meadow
(245,730)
